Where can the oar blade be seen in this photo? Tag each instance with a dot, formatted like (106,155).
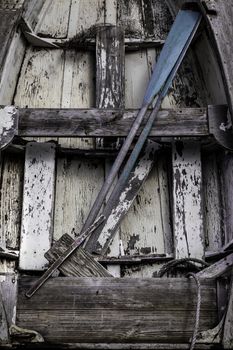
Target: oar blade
(178,36)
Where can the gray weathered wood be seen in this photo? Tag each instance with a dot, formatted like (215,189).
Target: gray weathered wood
(221,31)
(79,264)
(187,200)
(38,198)
(110,67)
(73,310)
(8,24)
(96,123)
(103,236)
(217,269)
(8,125)
(228,326)
(8,292)
(31,12)
(110,86)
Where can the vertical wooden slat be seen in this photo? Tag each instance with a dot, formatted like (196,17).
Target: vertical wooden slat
(212,206)
(38,198)
(187,200)
(110,84)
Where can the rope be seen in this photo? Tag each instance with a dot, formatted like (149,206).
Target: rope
(186,261)
(198,308)
(189,262)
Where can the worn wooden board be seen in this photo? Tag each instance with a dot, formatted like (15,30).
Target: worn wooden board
(228,329)
(11,200)
(217,269)
(38,201)
(226,189)
(54,24)
(11,69)
(187,201)
(220,29)
(8,287)
(95,123)
(99,242)
(81,18)
(11,4)
(212,205)
(77,185)
(40,80)
(79,264)
(74,310)
(32,11)
(8,24)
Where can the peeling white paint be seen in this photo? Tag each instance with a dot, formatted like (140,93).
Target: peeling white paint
(187,201)
(37,214)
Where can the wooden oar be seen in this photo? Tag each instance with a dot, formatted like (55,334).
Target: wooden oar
(177,38)
(177,44)
(63,257)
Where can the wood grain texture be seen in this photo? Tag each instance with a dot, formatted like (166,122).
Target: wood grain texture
(110,60)
(55,22)
(100,241)
(187,201)
(74,310)
(79,264)
(11,200)
(11,69)
(77,185)
(8,24)
(217,269)
(99,123)
(40,80)
(212,206)
(38,202)
(228,329)
(220,29)
(8,291)
(226,171)
(32,11)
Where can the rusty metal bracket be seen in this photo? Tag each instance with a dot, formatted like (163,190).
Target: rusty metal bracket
(220,125)
(9,117)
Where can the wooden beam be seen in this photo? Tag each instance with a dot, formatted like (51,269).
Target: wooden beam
(109,310)
(37,213)
(187,200)
(110,90)
(217,269)
(108,123)
(228,325)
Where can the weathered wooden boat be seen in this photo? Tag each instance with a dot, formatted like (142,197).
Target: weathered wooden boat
(72,78)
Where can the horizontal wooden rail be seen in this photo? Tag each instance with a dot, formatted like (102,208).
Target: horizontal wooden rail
(109,123)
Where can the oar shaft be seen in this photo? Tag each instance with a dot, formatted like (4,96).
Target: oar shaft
(115,168)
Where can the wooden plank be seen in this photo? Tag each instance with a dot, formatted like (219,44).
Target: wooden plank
(226,168)
(11,69)
(8,125)
(77,185)
(228,329)
(55,22)
(81,18)
(79,264)
(9,22)
(11,4)
(95,123)
(217,269)
(32,9)
(8,288)
(213,224)
(110,89)
(99,242)
(220,29)
(187,201)
(37,213)
(110,62)
(40,81)
(11,200)
(71,310)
